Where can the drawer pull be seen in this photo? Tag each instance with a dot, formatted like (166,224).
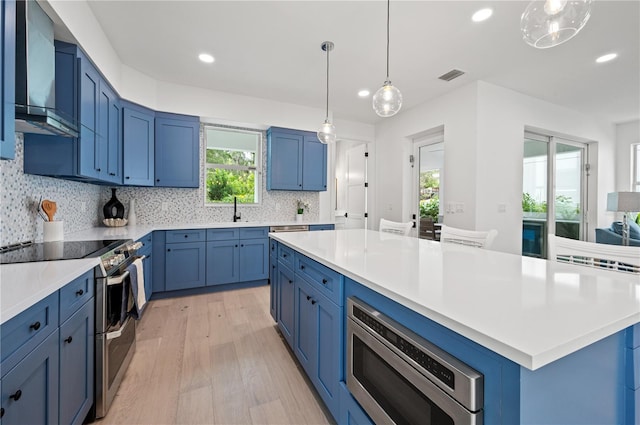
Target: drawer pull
(186,236)
(301,267)
(80,292)
(16,396)
(284,255)
(313,302)
(35,326)
(291,281)
(1,412)
(308,297)
(68,340)
(324,281)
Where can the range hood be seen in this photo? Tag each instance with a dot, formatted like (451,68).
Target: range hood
(35,74)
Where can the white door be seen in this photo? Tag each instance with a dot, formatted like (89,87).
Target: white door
(356,193)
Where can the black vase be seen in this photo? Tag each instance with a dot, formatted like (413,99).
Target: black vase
(113,208)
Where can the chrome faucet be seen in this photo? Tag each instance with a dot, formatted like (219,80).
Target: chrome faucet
(236,214)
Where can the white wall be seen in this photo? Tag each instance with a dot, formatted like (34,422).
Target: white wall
(627,134)
(483,132)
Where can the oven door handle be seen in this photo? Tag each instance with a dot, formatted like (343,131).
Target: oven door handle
(119,332)
(117,280)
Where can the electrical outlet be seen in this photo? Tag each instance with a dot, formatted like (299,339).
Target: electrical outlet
(165,206)
(459,207)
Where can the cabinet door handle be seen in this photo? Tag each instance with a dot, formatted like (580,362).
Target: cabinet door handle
(169,250)
(68,340)
(158,180)
(290,281)
(16,396)
(98,170)
(308,297)
(1,412)
(284,255)
(301,267)
(313,302)
(35,326)
(324,281)
(80,292)
(186,236)
(127,177)
(112,174)
(236,245)
(241,245)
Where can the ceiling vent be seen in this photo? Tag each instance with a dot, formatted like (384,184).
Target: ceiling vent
(454,73)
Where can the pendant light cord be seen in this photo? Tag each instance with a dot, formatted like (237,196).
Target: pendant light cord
(327,114)
(388,2)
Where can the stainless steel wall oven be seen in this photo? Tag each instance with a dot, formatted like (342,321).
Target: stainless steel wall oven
(399,377)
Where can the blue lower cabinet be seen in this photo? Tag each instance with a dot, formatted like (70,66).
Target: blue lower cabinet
(286,302)
(76,365)
(273,274)
(254,259)
(158,285)
(350,411)
(184,265)
(30,390)
(223,260)
(318,342)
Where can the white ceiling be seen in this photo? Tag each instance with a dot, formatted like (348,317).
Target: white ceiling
(271,49)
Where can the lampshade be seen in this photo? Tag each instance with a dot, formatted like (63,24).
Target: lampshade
(623,201)
(388,100)
(548,23)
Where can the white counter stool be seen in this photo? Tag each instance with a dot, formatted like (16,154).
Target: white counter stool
(479,239)
(614,257)
(395,227)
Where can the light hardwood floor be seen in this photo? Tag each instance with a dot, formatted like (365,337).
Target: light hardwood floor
(214,359)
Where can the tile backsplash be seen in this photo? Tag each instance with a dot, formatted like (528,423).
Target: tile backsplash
(80,204)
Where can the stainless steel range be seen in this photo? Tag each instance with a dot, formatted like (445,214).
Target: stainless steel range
(115,327)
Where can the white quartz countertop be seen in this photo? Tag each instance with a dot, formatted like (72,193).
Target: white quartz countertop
(23,285)
(528,310)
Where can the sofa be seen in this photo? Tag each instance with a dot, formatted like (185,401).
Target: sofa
(613,234)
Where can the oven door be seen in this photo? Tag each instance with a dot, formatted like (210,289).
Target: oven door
(391,391)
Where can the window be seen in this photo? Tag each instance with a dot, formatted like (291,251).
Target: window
(636,168)
(232,165)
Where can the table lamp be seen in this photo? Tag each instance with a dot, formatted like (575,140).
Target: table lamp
(624,202)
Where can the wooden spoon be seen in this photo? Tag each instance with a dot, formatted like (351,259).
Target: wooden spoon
(49,208)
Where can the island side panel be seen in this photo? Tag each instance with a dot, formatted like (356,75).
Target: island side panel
(501,376)
(585,387)
(632,374)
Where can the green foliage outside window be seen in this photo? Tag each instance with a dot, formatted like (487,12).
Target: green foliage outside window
(225,184)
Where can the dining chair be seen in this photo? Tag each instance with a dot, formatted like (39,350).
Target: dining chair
(429,229)
(615,257)
(479,239)
(395,227)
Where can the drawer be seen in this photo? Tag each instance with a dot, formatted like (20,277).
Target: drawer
(175,236)
(254,232)
(285,255)
(24,332)
(314,227)
(75,294)
(328,281)
(147,243)
(231,233)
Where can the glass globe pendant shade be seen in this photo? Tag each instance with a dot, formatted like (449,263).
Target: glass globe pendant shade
(548,23)
(387,101)
(327,132)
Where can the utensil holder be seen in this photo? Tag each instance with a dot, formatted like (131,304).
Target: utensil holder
(53,231)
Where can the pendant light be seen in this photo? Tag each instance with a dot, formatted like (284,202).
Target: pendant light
(547,23)
(388,100)
(327,132)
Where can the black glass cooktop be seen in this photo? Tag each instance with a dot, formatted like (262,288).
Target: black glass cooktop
(62,250)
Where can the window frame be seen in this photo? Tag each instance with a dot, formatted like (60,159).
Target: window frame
(257,168)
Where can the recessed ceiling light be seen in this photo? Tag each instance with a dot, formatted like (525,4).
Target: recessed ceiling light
(482,15)
(364,93)
(606,58)
(206,58)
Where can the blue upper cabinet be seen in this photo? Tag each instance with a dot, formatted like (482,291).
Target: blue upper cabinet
(138,139)
(177,150)
(7,79)
(84,96)
(296,160)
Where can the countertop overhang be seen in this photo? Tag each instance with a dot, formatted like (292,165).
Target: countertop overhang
(529,310)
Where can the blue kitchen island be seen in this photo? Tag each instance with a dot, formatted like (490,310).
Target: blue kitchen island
(554,343)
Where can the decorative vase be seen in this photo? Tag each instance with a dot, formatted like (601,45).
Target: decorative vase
(131,217)
(299,217)
(113,208)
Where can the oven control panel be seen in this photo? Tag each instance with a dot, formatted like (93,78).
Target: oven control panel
(409,349)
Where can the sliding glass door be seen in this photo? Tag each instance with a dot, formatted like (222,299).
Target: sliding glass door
(553,191)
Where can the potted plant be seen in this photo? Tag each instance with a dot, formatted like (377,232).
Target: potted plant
(301,206)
